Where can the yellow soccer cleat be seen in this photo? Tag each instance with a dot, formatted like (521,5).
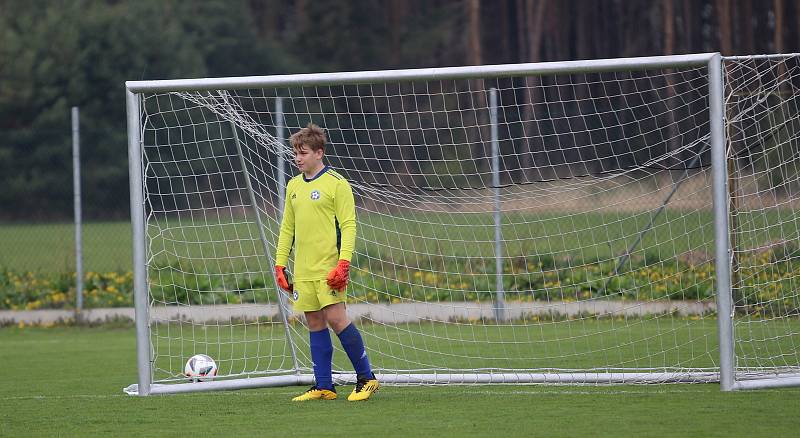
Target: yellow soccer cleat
(315,393)
(364,389)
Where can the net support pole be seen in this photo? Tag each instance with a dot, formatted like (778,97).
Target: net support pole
(283,305)
(140,297)
(281,177)
(76,205)
(627,255)
(279,134)
(499,300)
(721,244)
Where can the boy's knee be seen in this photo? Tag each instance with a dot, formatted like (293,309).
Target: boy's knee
(316,321)
(338,324)
(336,317)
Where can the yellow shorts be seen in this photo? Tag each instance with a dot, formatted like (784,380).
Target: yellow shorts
(310,296)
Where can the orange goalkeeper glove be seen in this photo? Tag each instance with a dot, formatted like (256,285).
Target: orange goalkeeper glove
(339,276)
(280,276)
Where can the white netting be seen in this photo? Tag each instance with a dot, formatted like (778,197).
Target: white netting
(606,225)
(764,154)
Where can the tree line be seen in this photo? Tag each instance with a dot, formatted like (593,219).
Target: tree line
(58,54)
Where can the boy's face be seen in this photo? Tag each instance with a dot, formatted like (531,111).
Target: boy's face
(307,160)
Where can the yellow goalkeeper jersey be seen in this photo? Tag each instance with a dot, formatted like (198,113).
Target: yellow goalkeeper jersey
(319,219)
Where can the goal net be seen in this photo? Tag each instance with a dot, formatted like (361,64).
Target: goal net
(539,223)
(763,128)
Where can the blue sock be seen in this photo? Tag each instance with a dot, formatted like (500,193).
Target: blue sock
(322,355)
(353,345)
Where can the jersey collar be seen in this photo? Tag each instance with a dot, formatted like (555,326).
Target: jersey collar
(321,172)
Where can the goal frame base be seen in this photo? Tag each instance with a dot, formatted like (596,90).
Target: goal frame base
(767,382)
(619,378)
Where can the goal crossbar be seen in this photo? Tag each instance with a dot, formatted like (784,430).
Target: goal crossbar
(440,73)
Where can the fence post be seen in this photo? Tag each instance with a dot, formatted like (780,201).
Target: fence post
(76,193)
(499,300)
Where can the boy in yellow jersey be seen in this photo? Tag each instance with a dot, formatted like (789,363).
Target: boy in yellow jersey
(319,219)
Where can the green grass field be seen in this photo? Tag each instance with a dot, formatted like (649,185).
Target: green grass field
(68,382)
(50,247)
(586,236)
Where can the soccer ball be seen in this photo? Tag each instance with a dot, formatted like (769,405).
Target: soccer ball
(200,367)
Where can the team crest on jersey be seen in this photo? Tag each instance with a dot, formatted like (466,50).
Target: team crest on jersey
(315,195)
(333,293)
(295,295)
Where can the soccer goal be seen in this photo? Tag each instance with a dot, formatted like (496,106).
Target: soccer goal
(584,222)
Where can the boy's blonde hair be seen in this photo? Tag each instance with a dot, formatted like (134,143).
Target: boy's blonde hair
(312,136)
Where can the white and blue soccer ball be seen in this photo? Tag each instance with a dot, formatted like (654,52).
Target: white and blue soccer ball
(200,367)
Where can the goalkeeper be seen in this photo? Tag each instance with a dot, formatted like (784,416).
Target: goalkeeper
(319,219)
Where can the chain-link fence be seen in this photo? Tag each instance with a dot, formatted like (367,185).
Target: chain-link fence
(38,261)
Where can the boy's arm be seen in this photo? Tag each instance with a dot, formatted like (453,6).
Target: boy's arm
(345,207)
(286,236)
